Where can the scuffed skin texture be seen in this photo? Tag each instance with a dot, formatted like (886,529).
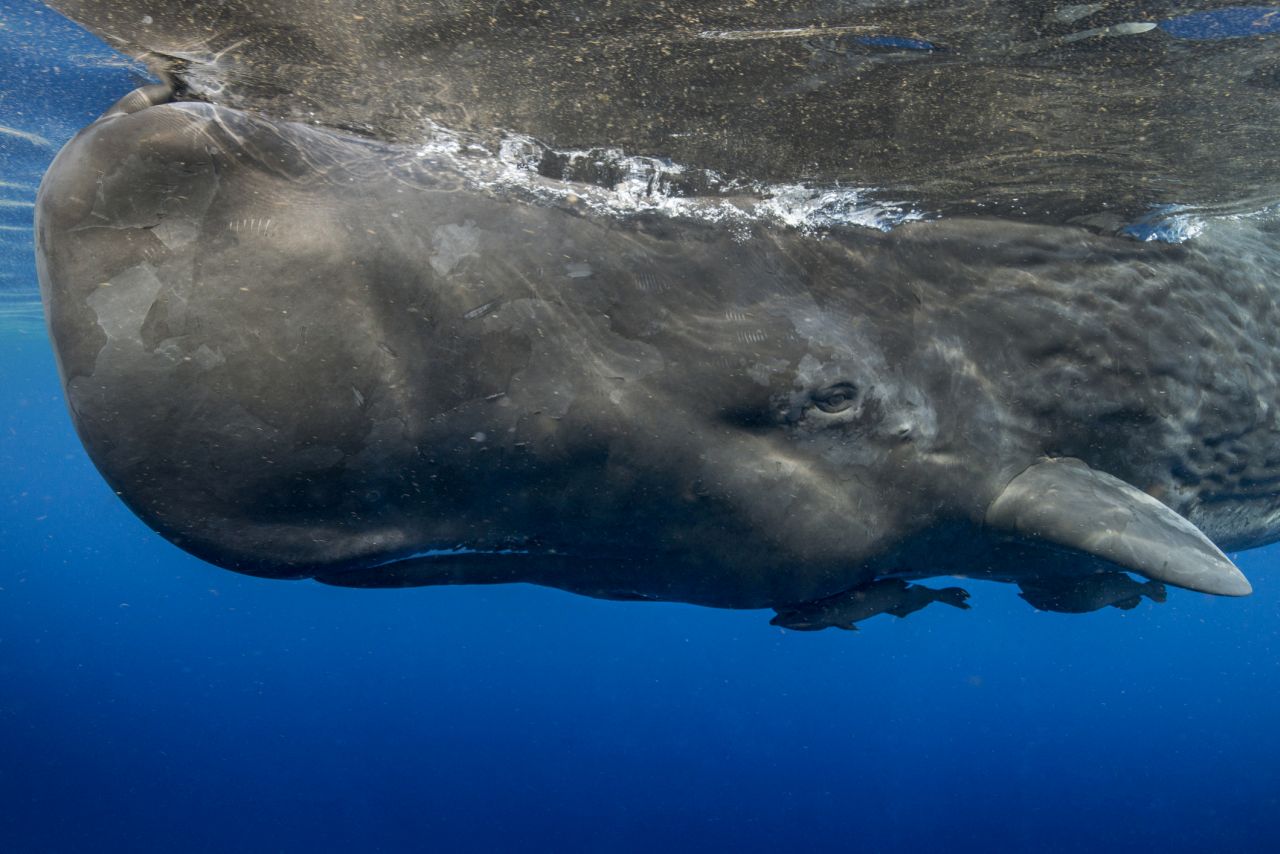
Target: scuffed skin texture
(1031,110)
(300,354)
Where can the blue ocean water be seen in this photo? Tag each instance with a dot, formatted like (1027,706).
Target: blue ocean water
(150,702)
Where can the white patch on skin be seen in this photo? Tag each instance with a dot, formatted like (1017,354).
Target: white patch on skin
(175,233)
(809,372)
(599,356)
(959,363)
(761,372)
(207,358)
(453,244)
(121,305)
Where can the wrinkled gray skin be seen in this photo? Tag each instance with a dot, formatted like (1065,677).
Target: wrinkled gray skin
(298,353)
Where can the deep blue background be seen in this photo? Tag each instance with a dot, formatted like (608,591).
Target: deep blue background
(149,702)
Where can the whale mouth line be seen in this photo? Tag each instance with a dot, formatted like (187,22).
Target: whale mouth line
(462,551)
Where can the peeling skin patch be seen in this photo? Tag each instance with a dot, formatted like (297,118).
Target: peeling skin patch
(762,372)
(599,356)
(207,358)
(176,233)
(811,373)
(452,244)
(121,305)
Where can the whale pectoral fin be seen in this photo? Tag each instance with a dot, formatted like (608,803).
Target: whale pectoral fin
(1067,504)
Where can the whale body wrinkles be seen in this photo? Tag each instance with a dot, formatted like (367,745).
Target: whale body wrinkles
(299,352)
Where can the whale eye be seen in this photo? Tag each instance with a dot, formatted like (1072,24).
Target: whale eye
(836,398)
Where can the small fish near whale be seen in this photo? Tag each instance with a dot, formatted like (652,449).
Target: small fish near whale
(329,349)
(1089,592)
(845,610)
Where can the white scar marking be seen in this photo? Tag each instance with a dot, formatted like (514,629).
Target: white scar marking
(785,33)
